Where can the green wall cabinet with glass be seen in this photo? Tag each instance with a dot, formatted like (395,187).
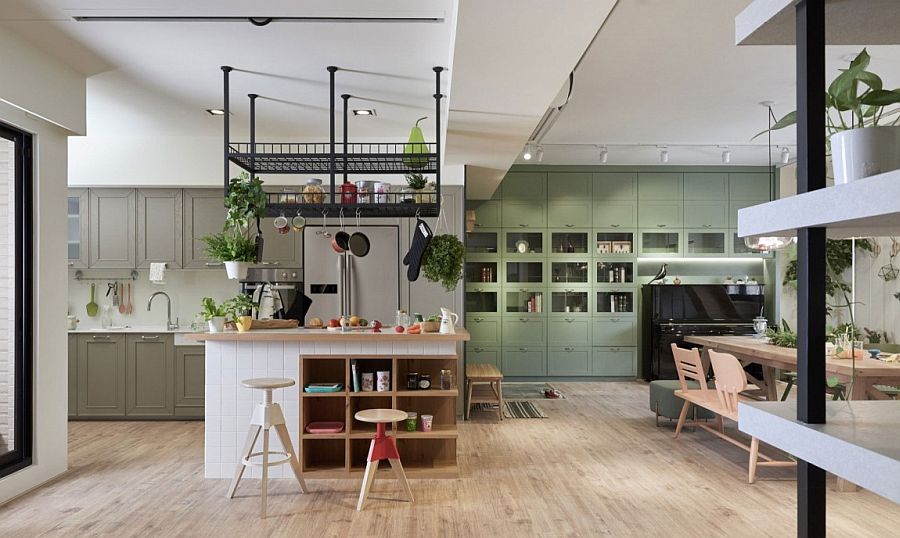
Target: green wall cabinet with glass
(551,263)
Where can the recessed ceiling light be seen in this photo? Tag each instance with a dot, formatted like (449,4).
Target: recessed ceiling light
(364,112)
(215,111)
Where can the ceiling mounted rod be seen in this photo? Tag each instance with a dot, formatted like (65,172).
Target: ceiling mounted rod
(254,20)
(345,97)
(331,168)
(226,70)
(252,97)
(437,128)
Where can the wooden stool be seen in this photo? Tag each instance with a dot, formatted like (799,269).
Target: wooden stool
(493,393)
(382,448)
(266,415)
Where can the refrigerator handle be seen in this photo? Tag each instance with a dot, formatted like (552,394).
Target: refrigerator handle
(341,271)
(349,284)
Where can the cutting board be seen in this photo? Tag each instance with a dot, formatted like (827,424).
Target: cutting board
(274,324)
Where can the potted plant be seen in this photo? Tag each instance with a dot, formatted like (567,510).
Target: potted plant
(245,202)
(238,307)
(213,314)
(443,260)
(862,141)
(416,182)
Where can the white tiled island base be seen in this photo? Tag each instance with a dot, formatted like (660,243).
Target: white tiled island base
(232,357)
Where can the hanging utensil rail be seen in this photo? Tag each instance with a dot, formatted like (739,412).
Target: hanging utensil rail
(79,276)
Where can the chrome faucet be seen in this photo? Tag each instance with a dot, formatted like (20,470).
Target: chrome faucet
(169,325)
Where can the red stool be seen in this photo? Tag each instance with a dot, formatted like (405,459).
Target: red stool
(382,448)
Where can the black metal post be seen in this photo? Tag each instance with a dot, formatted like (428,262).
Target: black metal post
(252,97)
(810,257)
(331,157)
(345,97)
(225,72)
(437,129)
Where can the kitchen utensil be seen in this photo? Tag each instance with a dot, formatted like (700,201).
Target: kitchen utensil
(129,308)
(120,298)
(106,317)
(281,224)
(298,222)
(448,321)
(92,307)
(341,240)
(413,258)
(358,242)
(324,231)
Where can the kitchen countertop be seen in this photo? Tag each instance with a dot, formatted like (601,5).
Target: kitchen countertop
(321,335)
(128,329)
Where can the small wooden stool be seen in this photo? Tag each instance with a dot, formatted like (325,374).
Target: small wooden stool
(382,448)
(492,393)
(266,415)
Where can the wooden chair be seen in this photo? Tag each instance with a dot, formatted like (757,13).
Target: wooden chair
(484,384)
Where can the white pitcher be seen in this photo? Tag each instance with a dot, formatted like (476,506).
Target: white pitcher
(448,321)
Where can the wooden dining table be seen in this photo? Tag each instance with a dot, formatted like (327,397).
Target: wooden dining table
(869,372)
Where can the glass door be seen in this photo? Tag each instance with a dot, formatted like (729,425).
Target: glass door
(15,313)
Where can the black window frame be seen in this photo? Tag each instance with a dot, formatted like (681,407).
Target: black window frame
(23,424)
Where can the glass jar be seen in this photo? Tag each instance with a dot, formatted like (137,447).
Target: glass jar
(424,381)
(446,380)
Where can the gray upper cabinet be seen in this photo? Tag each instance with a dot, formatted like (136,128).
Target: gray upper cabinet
(705,186)
(79,227)
(525,186)
(749,186)
(73,375)
(101,375)
(284,250)
(615,186)
(570,214)
(615,215)
(159,227)
(524,214)
(662,186)
(112,243)
(149,374)
(204,214)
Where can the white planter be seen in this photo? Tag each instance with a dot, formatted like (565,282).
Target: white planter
(217,324)
(860,153)
(236,270)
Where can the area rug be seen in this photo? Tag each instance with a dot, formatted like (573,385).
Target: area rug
(528,391)
(512,409)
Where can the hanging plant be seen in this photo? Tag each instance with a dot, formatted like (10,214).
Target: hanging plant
(443,261)
(245,202)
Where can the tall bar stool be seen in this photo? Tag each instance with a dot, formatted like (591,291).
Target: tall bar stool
(266,415)
(382,448)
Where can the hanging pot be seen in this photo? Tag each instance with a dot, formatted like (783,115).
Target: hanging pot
(340,242)
(359,244)
(859,153)
(236,270)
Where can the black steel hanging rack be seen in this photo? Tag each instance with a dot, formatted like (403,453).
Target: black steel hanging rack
(339,159)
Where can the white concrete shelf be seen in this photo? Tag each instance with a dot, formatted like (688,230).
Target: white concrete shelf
(864,208)
(857,22)
(860,440)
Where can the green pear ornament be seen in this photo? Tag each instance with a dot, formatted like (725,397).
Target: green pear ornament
(415,150)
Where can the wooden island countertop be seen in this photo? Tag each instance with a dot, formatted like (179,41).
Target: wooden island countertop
(322,335)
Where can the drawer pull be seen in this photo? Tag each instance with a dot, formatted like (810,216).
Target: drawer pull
(145,337)
(523,349)
(478,290)
(614,225)
(271,263)
(478,225)
(568,290)
(569,225)
(707,225)
(614,320)
(523,290)
(569,349)
(478,349)
(614,349)
(570,320)
(660,225)
(523,320)
(523,226)
(100,337)
(214,264)
(477,319)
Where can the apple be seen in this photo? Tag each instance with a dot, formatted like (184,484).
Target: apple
(334,323)
(399,328)
(377,324)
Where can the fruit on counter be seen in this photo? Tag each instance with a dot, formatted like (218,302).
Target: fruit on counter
(415,329)
(316,323)
(354,321)
(376,326)
(399,328)
(334,323)
(363,322)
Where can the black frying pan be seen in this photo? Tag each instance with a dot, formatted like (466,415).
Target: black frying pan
(359,244)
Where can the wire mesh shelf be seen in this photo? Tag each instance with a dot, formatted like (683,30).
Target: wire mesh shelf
(369,204)
(315,157)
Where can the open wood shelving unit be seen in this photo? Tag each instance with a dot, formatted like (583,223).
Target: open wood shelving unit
(343,455)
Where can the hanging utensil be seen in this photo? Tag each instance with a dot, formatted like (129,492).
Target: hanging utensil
(121,301)
(324,231)
(359,244)
(92,307)
(129,308)
(341,240)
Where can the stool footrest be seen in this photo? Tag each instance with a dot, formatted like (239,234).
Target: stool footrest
(285,458)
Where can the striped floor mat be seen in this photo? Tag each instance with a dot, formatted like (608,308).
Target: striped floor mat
(513,409)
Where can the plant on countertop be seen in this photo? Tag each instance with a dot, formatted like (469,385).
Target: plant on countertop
(416,181)
(211,309)
(783,337)
(443,260)
(239,305)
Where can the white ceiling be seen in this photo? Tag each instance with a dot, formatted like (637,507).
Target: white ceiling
(667,72)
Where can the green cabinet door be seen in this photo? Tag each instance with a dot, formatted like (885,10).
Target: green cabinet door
(568,186)
(614,362)
(735,205)
(73,375)
(524,361)
(524,330)
(615,186)
(190,381)
(476,354)
(570,214)
(615,214)
(525,186)
(705,214)
(569,331)
(660,186)
(705,186)
(749,186)
(487,213)
(101,375)
(150,375)
(569,360)
(660,214)
(524,214)
(484,330)
(614,332)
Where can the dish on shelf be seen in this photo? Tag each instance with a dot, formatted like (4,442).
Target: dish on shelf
(324,387)
(325,427)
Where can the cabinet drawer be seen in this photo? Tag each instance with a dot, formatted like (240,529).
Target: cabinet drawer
(615,186)
(660,186)
(487,213)
(706,186)
(524,214)
(524,361)
(570,214)
(660,215)
(569,186)
(614,362)
(476,354)
(614,332)
(525,186)
(615,215)
(483,329)
(524,330)
(569,331)
(749,186)
(705,214)
(569,360)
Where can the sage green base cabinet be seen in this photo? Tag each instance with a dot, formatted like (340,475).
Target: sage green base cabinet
(524,361)
(614,362)
(484,329)
(572,330)
(569,360)
(619,331)
(135,376)
(525,330)
(476,354)
(190,381)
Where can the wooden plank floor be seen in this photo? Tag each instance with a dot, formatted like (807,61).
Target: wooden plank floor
(597,466)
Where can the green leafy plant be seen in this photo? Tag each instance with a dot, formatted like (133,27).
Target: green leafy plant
(416,181)
(245,202)
(229,246)
(838,258)
(856,92)
(239,305)
(211,310)
(876,336)
(783,337)
(443,261)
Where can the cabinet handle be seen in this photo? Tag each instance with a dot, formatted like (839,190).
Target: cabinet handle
(569,290)
(95,337)
(523,226)
(707,225)
(478,290)
(660,225)
(478,225)
(570,320)
(523,349)
(271,263)
(214,264)
(568,349)
(569,225)
(478,349)
(477,319)
(614,349)
(145,337)
(614,320)
(71,264)
(523,320)
(523,290)
(614,225)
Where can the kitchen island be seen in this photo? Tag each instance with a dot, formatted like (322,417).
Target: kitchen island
(319,356)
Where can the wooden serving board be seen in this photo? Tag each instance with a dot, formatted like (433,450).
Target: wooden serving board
(262,324)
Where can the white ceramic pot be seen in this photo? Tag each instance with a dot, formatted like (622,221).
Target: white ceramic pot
(236,270)
(859,153)
(217,324)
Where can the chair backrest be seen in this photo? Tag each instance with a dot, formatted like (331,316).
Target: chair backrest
(731,379)
(689,367)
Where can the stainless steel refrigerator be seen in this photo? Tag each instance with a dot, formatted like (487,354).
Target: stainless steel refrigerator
(368,287)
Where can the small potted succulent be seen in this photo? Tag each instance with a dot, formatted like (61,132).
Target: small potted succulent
(238,307)
(416,183)
(214,314)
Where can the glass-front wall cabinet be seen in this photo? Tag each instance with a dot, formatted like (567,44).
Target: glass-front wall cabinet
(661,243)
(706,242)
(531,272)
(616,243)
(482,242)
(525,301)
(481,301)
(615,302)
(569,242)
(77,227)
(615,272)
(524,243)
(569,272)
(484,272)
(569,301)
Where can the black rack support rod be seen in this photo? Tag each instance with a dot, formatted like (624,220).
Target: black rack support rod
(252,97)
(345,97)
(437,128)
(331,164)
(226,70)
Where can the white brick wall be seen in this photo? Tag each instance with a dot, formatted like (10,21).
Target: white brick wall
(7,297)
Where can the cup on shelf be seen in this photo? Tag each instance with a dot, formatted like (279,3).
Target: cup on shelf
(384,381)
(368,381)
(427,421)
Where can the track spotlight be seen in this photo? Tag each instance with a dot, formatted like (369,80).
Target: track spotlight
(726,156)
(527,153)
(664,156)
(540,154)
(604,155)
(785,155)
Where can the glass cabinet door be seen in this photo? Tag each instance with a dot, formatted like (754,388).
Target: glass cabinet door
(569,301)
(660,243)
(739,247)
(523,243)
(482,242)
(524,301)
(706,242)
(484,272)
(77,227)
(480,301)
(615,272)
(569,242)
(569,272)
(524,272)
(615,302)
(614,243)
